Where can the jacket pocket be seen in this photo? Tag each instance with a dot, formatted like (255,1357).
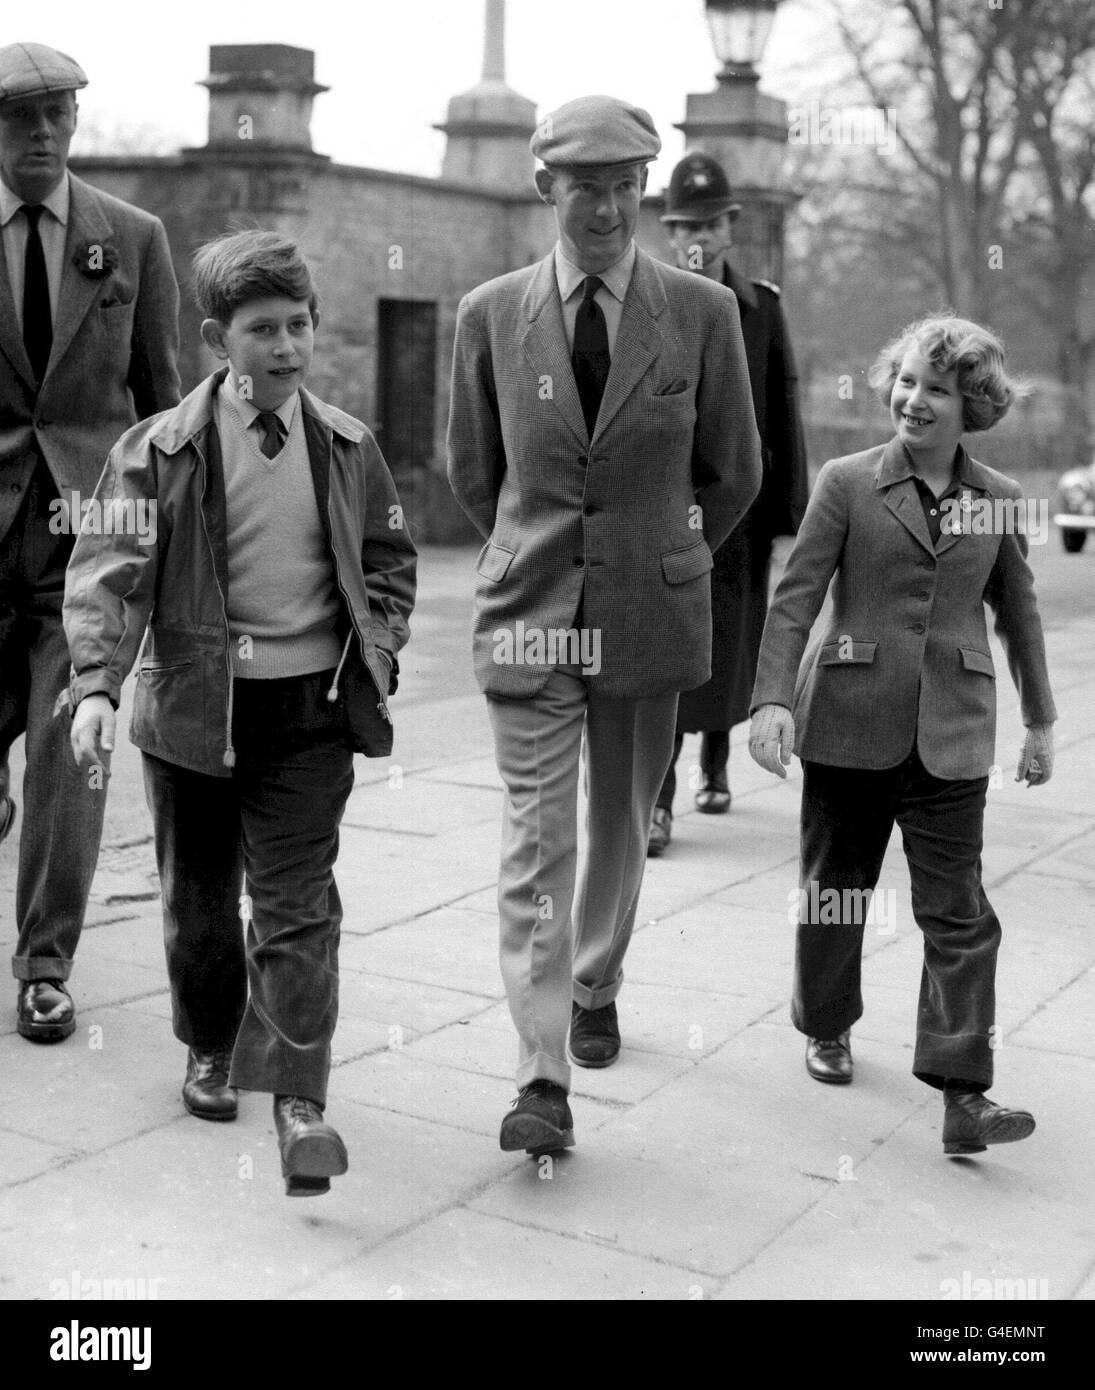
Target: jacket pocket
(845,652)
(494,561)
(974,660)
(679,566)
(158,668)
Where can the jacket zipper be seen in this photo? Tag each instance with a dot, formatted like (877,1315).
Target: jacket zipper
(229,758)
(381,704)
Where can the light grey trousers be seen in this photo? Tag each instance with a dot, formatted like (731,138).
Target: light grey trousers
(546,961)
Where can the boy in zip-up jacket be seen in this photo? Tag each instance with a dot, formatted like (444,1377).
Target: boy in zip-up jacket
(256,532)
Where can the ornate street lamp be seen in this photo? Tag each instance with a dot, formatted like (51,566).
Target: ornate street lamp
(746,131)
(739,31)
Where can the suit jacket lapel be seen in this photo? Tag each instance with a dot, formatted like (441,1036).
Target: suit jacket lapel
(11,340)
(638,341)
(86,225)
(545,345)
(895,474)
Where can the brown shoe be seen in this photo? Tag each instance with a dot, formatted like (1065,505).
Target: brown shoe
(539,1120)
(206,1092)
(46,1011)
(972,1122)
(312,1152)
(830,1060)
(661,828)
(594,1036)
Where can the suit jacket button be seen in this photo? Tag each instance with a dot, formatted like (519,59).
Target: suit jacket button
(588,511)
(582,460)
(579,560)
(916,627)
(15,487)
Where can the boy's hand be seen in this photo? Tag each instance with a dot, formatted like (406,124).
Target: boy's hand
(93,731)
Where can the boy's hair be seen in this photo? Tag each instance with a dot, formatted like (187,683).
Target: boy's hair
(237,267)
(950,342)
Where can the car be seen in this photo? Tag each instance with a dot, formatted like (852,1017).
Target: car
(1074,507)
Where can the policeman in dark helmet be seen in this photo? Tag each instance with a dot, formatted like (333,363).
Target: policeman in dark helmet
(699,215)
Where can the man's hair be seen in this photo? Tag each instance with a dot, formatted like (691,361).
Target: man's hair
(949,342)
(233,269)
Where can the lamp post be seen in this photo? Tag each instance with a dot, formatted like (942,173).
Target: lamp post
(745,129)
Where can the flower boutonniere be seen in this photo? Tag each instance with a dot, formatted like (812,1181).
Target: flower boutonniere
(96,259)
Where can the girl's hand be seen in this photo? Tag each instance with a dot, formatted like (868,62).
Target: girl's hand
(1036,756)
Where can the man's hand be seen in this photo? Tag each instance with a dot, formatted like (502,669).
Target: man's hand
(1036,756)
(772,738)
(93,731)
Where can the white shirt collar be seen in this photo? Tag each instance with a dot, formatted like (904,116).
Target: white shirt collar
(615,279)
(57,202)
(249,412)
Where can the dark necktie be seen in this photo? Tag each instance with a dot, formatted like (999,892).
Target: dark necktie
(590,358)
(37,318)
(273,432)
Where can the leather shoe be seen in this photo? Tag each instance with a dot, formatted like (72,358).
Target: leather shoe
(206,1092)
(713,798)
(46,1011)
(7,817)
(312,1152)
(661,828)
(539,1120)
(830,1060)
(971,1122)
(594,1036)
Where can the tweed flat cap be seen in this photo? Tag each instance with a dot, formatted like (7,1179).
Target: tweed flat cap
(595,131)
(30,69)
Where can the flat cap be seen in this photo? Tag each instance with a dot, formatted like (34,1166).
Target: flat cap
(595,131)
(30,69)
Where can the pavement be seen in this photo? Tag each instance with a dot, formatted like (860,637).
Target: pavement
(708,1164)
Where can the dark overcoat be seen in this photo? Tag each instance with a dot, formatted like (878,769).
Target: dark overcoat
(739,580)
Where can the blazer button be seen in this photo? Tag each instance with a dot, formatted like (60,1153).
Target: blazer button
(15,487)
(916,627)
(582,460)
(589,511)
(579,560)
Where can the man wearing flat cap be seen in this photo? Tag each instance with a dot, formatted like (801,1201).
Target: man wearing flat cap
(602,440)
(88,344)
(700,210)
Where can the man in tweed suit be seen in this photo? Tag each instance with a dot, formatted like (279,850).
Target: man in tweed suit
(602,440)
(88,342)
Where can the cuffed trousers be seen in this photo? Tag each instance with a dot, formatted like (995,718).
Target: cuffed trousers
(564,939)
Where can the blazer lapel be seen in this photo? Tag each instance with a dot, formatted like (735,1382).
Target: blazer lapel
(895,474)
(11,340)
(638,341)
(86,225)
(545,346)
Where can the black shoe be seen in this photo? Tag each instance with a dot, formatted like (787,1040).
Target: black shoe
(206,1092)
(713,798)
(46,1011)
(311,1151)
(971,1122)
(661,828)
(830,1060)
(594,1036)
(7,817)
(539,1121)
